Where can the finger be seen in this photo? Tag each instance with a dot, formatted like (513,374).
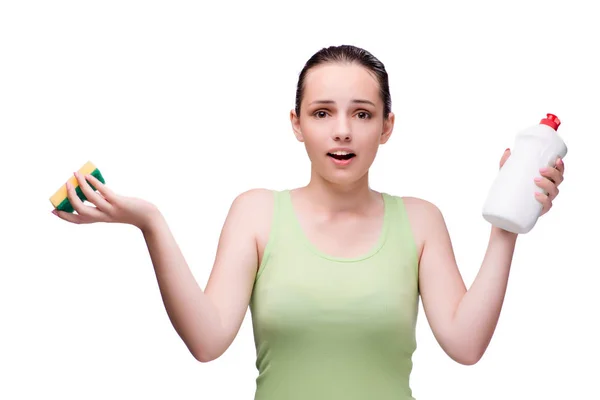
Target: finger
(548,186)
(91,195)
(102,188)
(504,157)
(545,200)
(67,216)
(75,201)
(78,205)
(553,174)
(560,165)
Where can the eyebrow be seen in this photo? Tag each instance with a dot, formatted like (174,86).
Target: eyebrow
(356,101)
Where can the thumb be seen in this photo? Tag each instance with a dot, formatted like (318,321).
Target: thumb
(504,157)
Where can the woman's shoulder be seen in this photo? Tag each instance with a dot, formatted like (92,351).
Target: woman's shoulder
(255,195)
(416,204)
(256,200)
(423,214)
(257,205)
(424,219)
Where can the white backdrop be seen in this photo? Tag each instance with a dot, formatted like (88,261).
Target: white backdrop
(187,105)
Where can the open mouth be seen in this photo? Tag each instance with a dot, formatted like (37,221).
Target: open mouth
(341,155)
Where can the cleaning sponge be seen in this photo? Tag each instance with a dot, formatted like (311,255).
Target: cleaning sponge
(61,202)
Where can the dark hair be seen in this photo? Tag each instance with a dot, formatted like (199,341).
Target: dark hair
(348,54)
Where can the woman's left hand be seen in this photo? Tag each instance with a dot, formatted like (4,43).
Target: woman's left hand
(550,179)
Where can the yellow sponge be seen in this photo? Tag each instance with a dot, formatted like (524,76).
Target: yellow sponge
(61,202)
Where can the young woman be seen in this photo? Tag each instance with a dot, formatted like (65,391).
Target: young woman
(331,271)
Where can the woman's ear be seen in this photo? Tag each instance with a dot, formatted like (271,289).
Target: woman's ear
(388,127)
(296,126)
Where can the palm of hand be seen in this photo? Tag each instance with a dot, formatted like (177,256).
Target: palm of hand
(107,206)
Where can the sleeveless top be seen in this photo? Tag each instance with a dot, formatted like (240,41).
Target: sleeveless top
(335,328)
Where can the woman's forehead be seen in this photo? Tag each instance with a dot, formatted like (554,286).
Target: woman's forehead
(341,80)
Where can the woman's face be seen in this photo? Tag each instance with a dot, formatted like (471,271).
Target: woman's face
(341,121)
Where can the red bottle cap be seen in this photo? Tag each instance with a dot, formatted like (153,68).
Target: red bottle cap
(551,120)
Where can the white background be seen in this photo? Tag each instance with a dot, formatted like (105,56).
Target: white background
(187,105)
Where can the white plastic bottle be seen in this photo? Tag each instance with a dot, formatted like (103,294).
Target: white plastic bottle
(511,203)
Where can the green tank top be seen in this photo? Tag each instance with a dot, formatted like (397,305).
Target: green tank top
(335,328)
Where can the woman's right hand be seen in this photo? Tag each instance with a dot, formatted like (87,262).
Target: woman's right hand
(107,206)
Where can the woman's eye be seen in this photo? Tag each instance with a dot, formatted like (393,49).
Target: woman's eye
(363,115)
(320,114)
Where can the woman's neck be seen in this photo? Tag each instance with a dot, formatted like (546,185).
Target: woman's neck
(333,198)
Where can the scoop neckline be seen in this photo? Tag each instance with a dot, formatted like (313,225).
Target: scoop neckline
(314,249)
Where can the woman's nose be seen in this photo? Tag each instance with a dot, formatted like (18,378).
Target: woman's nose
(342,132)
(342,137)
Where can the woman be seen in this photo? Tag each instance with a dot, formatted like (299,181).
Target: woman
(331,271)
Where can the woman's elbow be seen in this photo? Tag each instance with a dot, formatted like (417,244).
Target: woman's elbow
(463,352)
(467,356)
(205,355)
(468,359)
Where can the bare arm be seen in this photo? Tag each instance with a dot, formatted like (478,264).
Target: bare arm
(462,321)
(208,321)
